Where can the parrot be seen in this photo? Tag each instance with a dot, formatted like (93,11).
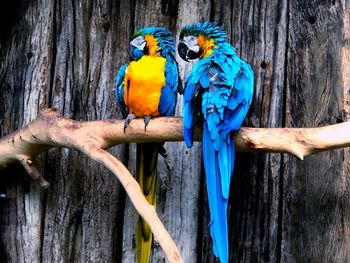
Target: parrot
(217,92)
(147,87)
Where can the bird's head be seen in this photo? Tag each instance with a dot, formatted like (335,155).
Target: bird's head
(152,41)
(199,40)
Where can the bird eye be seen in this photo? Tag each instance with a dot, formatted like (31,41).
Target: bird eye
(191,40)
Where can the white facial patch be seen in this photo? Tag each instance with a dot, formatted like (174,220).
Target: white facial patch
(192,43)
(138,42)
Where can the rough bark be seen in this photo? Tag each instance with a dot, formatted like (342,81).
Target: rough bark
(65,54)
(316,211)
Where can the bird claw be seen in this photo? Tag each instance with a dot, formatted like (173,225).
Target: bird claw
(147,120)
(128,119)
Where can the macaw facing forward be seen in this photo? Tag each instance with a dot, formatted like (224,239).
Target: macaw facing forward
(147,87)
(218,89)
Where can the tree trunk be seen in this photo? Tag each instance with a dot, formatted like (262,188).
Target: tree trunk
(65,55)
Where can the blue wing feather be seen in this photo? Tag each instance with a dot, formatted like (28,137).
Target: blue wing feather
(168,95)
(238,104)
(188,116)
(120,90)
(192,88)
(205,80)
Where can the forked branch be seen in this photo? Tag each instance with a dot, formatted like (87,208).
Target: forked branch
(93,137)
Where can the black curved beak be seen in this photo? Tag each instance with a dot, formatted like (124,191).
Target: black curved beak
(193,55)
(182,49)
(186,53)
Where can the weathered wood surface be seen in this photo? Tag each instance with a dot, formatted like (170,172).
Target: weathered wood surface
(316,196)
(65,54)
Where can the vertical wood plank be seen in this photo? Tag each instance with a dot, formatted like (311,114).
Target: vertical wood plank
(312,225)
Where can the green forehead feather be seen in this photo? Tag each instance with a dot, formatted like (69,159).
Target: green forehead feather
(207,29)
(136,34)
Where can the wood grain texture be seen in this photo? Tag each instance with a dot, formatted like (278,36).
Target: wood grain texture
(48,227)
(65,54)
(313,208)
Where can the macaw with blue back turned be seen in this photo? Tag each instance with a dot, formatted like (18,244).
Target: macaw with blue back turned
(218,90)
(147,87)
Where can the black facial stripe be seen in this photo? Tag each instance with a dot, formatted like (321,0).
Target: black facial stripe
(145,50)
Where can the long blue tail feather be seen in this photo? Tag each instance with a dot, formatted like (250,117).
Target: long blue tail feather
(188,137)
(225,157)
(188,123)
(218,185)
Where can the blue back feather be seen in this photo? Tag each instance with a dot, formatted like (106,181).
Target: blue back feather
(168,96)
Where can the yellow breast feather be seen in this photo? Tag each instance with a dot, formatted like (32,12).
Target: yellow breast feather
(144,81)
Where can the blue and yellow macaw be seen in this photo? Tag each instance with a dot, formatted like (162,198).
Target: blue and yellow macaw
(218,90)
(147,87)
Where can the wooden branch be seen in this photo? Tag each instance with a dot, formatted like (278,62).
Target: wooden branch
(93,137)
(299,142)
(51,130)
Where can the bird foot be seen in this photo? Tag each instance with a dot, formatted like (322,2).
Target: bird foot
(147,120)
(128,119)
